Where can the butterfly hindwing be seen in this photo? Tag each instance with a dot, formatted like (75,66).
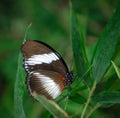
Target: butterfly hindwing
(47,83)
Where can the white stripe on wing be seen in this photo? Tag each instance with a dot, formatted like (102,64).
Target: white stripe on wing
(50,86)
(41,58)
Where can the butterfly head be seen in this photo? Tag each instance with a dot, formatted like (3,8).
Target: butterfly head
(69,78)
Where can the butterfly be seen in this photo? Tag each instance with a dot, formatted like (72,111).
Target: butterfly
(47,72)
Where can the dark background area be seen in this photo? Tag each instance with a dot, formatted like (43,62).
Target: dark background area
(50,23)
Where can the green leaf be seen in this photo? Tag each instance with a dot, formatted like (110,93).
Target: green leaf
(78,99)
(52,107)
(20,85)
(106,45)
(19,90)
(116,69)
(79,53)
(107,97)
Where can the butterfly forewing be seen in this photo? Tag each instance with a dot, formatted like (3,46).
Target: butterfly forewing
(38,55)
(47,73)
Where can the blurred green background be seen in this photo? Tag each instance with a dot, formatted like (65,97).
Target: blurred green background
(50,23)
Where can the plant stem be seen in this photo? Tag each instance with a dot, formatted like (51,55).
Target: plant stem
(93,109)
(89,99)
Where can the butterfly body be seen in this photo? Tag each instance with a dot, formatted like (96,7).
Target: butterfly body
(47,73)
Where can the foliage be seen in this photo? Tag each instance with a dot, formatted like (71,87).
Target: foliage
(94,34)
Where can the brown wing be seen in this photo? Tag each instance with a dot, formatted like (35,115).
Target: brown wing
(47,83)
(38,55)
